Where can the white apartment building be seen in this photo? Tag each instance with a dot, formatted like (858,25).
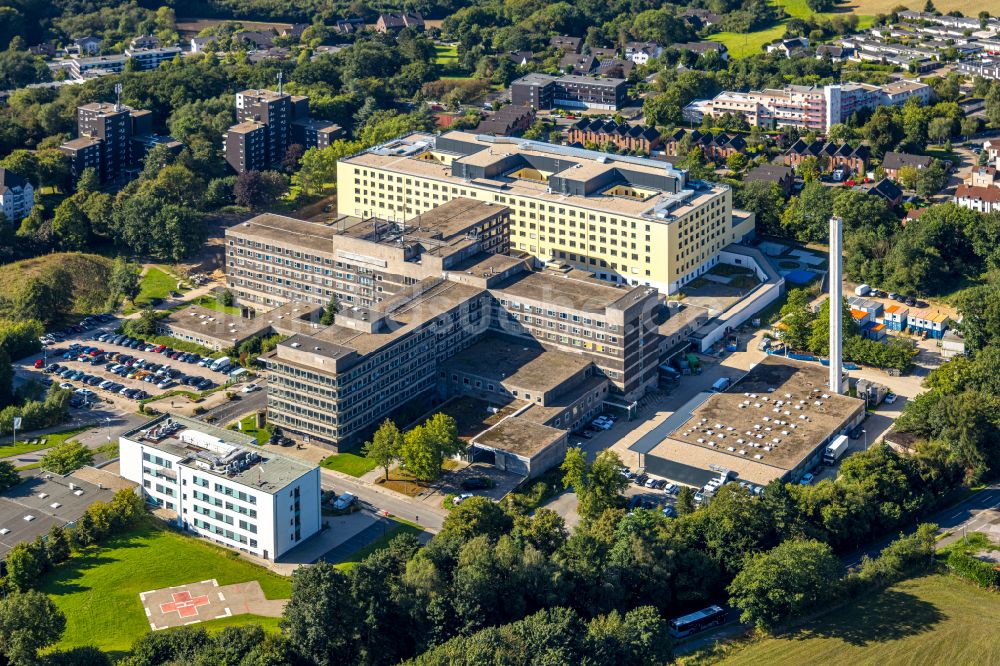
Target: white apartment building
(806,107)
(17,196)
(219,485)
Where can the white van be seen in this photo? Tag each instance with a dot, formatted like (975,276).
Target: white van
(220,364)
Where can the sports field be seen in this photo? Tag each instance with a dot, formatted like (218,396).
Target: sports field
(936,619)
(99,591)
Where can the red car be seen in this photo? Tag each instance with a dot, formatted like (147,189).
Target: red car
(39,363)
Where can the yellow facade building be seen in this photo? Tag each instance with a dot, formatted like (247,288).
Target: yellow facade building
(626,219)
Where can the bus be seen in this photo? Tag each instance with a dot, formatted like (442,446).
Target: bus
(692,623)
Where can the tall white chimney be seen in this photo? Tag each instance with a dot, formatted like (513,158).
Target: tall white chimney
(836,305)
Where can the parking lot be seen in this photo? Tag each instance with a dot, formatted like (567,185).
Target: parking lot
(99,365)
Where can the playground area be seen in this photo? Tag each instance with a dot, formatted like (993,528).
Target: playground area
(206,600)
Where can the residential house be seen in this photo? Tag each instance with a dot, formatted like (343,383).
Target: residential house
(258,40)
(893,162)
(886,189)
(701,48)
(699,17)
(982,199)
(294,31)
(87,46)
(830,156)
(43,50)
(984,176)
(394,22)
(521,58)
(789,48)
(17,196)
(510,120)
(622,135)
(574,63)
(992,149)
(615,68)
(567,43)
(144,42)
(642,52)
(833,52)
(349,26)
(203,44)
(603,54)
(782,176)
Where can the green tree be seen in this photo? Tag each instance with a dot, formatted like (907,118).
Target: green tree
(258,189)
(24,566)
(598,485)
(939,130)
(807,217)
(765,200)
(809,169)
(908,176)
(444,430)
(66,457)
(70,225)
(57,544)
(330,311)
(883,131)
(29,621)
(385,446)
(420,454)
(319,620)
(8,474)
(88,181)
(125,281)
(932,179)
(794,578)
(737,162)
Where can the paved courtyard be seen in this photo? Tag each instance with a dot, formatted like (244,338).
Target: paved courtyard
(206,600)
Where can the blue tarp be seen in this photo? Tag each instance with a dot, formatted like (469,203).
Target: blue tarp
(800,276)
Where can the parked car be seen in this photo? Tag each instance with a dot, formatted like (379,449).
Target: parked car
(806,479)
(458,499)
(250,388)
(890,398)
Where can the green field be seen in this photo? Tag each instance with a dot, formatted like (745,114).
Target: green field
(24,444)
(446,55)
(936,619)
(90,274)
(156,283)
(99,591)
(349,463)
(741,45)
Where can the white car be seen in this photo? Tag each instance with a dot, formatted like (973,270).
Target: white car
(458,499)
(250,388)
(650,482)
(344,501)
(670,488)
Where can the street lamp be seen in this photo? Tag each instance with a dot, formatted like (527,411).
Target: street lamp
(107,420)
(865,433)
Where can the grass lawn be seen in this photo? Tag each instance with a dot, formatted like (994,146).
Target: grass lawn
(741,45)
(156,283)
(214,304)
(936,619)
(249,427)
(445,54)
(24,444)
(380,543)
(349,463)
(99,590)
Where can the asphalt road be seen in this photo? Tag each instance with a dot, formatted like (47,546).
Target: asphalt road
(248,403)
(425,514)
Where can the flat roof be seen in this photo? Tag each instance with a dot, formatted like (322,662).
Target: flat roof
(585,294)
(48,500)
(81,143)
(776,416)
(246,126)
(530,366)
(520,437)
(202,446)
(403,156)
(199,319)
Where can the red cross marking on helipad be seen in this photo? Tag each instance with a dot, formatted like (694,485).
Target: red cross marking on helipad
(184,604)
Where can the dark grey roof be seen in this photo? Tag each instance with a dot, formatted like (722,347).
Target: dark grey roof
(894,160)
